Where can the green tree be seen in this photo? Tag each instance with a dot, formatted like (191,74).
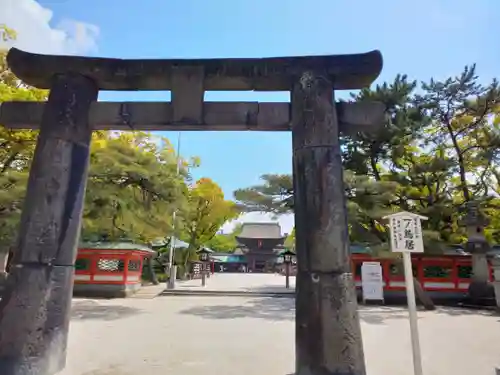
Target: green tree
(225,242)
(205,213)
(413,162)
(371,153)
(290,240)
(133,188)
(460,109)
(16,150)
(367,202)
(274,195)
(7,36)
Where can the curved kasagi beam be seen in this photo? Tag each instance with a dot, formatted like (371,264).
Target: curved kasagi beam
(352,71)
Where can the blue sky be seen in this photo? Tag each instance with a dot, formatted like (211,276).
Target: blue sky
(425,38)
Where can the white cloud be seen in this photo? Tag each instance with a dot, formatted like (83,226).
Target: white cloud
(286,221)
(35,33)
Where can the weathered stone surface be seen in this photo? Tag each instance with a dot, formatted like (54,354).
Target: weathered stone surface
(220,116)
(34,319)
(318,179)
(352,71)
(52,210)
(328,337)
(188,94)
(35,307)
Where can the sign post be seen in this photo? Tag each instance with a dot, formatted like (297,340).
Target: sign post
(406,238)
(372,283)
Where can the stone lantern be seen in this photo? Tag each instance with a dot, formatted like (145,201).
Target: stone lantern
(287,259)
(288,256)
(477,246)
(204,256)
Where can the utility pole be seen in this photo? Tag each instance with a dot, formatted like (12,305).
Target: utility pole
(171,255)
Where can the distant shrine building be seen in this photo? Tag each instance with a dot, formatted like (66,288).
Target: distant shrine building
(259,248)
(261,243)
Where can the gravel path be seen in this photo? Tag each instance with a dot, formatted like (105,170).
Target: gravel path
(255,336)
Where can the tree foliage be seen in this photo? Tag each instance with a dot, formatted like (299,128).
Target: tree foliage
(225,242)
(439,149)
(204,214)
(133,188)
(16,149)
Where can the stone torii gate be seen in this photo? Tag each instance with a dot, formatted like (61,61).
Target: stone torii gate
(35,308)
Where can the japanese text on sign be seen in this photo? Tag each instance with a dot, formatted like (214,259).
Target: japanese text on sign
(406,233)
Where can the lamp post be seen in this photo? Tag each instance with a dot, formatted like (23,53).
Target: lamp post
(287,259)
(171,255)
(204,256)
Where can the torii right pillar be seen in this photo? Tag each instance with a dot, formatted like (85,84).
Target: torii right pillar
(328,334)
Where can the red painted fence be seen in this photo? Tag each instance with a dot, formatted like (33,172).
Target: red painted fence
(448,273)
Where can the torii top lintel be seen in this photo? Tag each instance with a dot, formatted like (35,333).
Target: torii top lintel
(352,71)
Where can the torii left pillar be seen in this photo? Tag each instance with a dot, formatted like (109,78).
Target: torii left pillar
(34,310)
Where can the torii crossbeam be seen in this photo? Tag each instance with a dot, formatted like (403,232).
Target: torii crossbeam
(34,311)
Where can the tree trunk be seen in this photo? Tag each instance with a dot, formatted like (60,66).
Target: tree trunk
(4,257)
(375,171)
(328,334)
(151,270)
(461,163)
(35,308)
(422,295)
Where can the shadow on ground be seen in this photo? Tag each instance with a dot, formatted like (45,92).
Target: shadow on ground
(268,308)
(272,289)
(282,309)
(113,370)
(86,310)
(380,314)
(460,311)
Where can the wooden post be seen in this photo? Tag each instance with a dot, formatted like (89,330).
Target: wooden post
(328,334)
(203,275)
(35,308)
(287,275)
(151,270)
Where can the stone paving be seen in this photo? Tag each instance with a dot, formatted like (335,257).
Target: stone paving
(176,335)
(240,282)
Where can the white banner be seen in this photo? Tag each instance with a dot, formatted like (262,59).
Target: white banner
(372,282)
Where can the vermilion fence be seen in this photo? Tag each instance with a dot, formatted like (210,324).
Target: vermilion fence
(448,273)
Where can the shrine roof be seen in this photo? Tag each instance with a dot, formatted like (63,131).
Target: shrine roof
(162,241)
(261,231)
(350,71)
(104,245)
